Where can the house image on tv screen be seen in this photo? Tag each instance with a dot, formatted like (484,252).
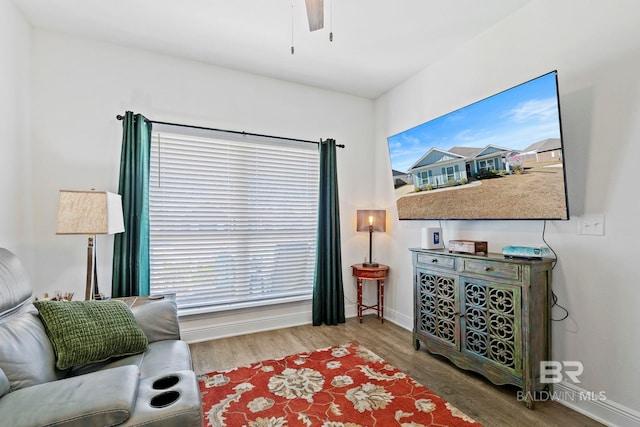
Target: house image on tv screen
(460,165)
(549,149)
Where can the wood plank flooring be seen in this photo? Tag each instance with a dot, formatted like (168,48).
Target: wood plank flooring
(488,404)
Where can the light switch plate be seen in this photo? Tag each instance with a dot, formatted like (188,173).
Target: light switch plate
(592,225)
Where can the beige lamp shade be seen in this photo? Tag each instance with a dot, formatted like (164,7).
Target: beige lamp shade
(377,218)
(89,212)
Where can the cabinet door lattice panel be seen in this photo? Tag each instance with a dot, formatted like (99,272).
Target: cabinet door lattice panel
(492,316)
(438,307)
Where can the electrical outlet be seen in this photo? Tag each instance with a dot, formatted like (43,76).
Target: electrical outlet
(591,225)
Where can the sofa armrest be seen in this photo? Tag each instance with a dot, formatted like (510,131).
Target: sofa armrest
(158,320)
(103,398)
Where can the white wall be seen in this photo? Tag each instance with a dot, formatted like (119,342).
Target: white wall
(595,46)
(79,86)
(15,146)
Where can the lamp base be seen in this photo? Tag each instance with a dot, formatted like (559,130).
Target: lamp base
(370,264)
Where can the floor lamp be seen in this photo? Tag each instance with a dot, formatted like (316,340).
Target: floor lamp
(90,213)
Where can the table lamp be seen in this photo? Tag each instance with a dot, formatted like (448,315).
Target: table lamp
(90,213)
(371,220)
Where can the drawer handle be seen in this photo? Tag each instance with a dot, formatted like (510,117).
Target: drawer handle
(434,260)
(488,269)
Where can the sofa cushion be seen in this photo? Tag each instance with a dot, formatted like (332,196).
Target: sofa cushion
(105,398)
(26,355)
(158,320)
(160,357)
(84,332)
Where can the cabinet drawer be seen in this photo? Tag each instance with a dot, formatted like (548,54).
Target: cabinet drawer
(442,261)
(369,274)
(494,269)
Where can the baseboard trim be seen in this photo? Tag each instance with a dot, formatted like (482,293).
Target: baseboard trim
(216,329)
(243,327)
(593,405)
(266,322)
(402,320)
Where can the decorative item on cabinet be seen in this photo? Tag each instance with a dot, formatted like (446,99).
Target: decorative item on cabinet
(468,246)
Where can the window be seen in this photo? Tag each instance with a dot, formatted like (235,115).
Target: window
(232,221)
(450,175)
(424,178)
(482,165)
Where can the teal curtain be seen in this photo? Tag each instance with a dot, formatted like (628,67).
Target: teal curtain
(328,292)
(131,248)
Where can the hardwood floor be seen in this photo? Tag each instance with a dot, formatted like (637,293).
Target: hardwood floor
(488,404)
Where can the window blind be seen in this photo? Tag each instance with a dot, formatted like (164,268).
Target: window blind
(232,221)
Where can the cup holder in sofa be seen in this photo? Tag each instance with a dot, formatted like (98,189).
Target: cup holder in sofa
(164,399)
(165,382)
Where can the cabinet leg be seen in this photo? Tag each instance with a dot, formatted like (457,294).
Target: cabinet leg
(529,394)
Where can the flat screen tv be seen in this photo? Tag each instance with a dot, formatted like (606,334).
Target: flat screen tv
(499,158)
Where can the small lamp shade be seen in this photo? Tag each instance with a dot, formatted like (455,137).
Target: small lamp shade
(376,218)
(89,212)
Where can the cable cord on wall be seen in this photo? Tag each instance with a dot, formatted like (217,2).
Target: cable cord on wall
(554,297)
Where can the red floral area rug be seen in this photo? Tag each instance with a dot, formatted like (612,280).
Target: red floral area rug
(339,386)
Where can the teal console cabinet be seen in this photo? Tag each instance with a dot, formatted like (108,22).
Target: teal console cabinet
(485,313)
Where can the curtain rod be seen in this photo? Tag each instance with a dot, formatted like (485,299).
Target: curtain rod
(121,117)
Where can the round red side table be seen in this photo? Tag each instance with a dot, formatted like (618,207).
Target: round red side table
(379,274)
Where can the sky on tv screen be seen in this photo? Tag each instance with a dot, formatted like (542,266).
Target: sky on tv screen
(513,119)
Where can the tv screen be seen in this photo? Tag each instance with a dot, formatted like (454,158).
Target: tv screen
(498,158)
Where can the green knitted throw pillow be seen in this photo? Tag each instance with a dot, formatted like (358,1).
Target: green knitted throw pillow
(84,332)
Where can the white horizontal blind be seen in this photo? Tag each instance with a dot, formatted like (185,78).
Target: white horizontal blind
(232,222)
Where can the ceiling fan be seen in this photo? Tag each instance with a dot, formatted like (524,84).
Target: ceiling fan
(315,14)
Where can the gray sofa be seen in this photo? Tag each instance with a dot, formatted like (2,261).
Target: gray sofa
(154,388)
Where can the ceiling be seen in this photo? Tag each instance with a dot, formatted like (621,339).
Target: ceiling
(377,43)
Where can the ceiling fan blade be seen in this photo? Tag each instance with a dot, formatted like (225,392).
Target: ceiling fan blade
(315,14)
